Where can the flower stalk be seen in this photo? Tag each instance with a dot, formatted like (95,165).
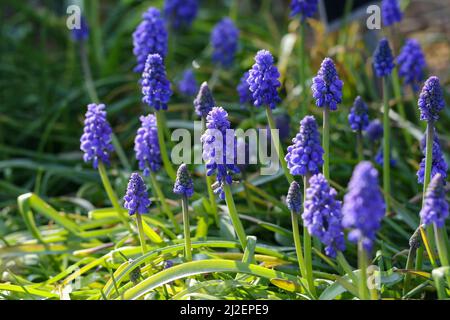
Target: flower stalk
(238,227)
(187,229)
(164,156)
(386,145)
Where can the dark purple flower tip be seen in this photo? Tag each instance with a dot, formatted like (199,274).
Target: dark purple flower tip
(359,115)
(155,86)
(96,139)
(224,40)
(411,62)
(136,198)
(149,37)
(294,198)
(263,80)
(219,151)
(204,102)
(364,206)
(438,163)
(435,207)
(180,13)
(303,8)
(80,33)
(243,89)
(383,61)
(304,156)
(188,85)
(183,184)
(146,145)
(327,87)
(390,10)
(431,100)
(323,216)
(374,130)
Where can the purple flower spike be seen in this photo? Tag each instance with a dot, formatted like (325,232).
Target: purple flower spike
(180,13)
(96,139)
(149,37)
(136,198)
(243,89)
(224,40)
(390,10)
(364,206)
(374,130)
(204,102)
(263,80)
(183,184)
(82,33)
(188,85)
(305,155)
(438,163)
(411,63)
(220,158)
(323,216)
(294,198)
(431,100)
(327,87)
(146,145)
(303,8)
(435,208)
(359,115)
(155,86)
(383,61)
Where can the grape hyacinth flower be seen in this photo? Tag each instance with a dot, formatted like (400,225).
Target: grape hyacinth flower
(188,85)
(155,86)
(435,208)
(431,100)
(96,139)
(149,37)
(363,207)
(327,87)
(81,33)
(218,161)
(243,89)
(383,61)
(303,8)
(411,62)
(323,216)
(304,156)
(438,164)
(146,145)
(180,13)
(263,80)
(219,153)
(374,130)
(136,199)
(294,198)
(183,184)
(204,102)
(359,115)
(390,11)
(224,40)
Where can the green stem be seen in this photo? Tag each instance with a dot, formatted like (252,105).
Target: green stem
(409,266)
(386,145)
(359,143)
(162,145)
(209,182)
(362,265)
(187,229)
(162,200)
(278,147)
(112,195)
(326,142)
(340,258)
(141,232)
(298,245)
(238,227)
(303,109)
(307,246)
(401,107)
(441,246)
